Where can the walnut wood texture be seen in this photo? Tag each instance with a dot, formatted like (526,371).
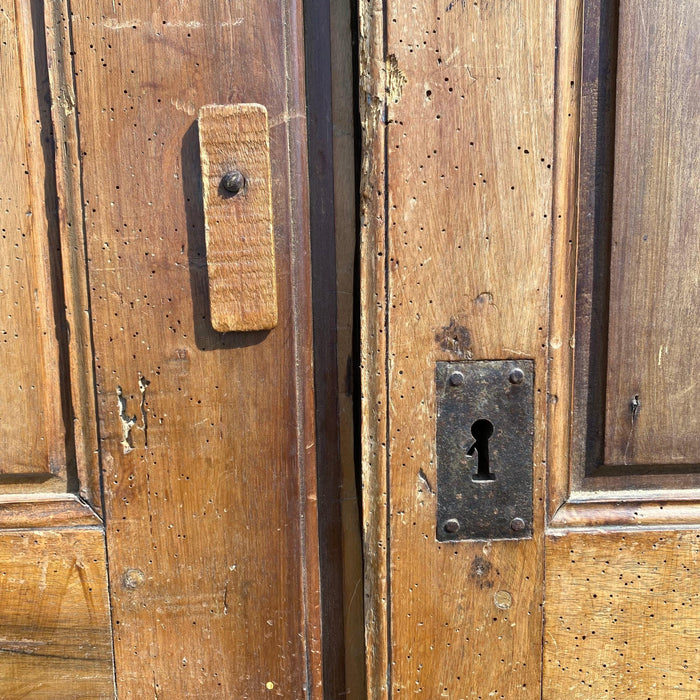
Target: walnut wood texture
(207,438)
(622,617)
(458,197)
(653,348)
(238,224)
(73,254)
(32,432)
(55,635)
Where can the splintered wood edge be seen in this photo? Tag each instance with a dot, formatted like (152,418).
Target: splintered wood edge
(238,228)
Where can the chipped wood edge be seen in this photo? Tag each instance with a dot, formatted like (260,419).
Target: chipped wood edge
(373,353)
(73,247)
(49,511)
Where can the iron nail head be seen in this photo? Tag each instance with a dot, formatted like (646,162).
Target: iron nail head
(456,379)
(516,376)
(233,181)
(451,525)
(517,524)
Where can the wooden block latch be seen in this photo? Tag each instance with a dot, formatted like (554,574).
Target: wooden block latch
(235,155)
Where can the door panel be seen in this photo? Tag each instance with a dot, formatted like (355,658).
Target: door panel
(205,437)
(655,257)
(456,239)
(495,171)
(54,621)
(205,440)
(32,434)
(622,616)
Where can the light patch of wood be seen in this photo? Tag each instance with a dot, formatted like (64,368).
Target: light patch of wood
(621,619)
(239,236)
(55,636)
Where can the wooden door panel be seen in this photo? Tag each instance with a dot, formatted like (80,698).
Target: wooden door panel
(459,102)
(655,259)
(55,631)
(622,617)
(205,439)
(205,436)
(32,435)
(456,243)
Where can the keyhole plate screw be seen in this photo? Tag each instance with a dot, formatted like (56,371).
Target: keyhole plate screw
(516,376)
(451,526)
(233,182)
(517,524)
(456,379)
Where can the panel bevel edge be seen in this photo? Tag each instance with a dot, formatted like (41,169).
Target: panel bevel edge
(41,263)
(68,175)
(49,511)
(577,502)
(373,348)
(564,248)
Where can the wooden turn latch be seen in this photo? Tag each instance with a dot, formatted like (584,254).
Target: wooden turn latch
(234,150)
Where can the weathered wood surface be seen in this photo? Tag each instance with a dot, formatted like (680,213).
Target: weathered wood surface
(458,270)
(32,430)
(207,438)
(55,633)
(238,225)
(622,616)
(653,344)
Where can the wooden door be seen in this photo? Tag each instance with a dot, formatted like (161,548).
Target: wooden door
(158,478)
(530,194)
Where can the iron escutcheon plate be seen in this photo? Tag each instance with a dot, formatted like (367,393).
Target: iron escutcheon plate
(487,407)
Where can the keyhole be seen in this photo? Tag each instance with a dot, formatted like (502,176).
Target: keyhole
(482,430)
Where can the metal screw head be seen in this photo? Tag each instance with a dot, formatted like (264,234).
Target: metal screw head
(451,525)
(456,379)
(517,524)
(516,376)
(233,182)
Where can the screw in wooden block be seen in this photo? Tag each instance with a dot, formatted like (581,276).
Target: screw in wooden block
(233,182)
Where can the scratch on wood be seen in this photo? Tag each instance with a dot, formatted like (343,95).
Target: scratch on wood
(143,384)
(423,477)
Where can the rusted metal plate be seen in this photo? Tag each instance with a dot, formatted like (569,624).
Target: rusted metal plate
(485,430)
(235,157)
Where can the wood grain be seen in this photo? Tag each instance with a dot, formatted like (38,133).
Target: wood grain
(469,144)
(69,214)
(621,617)
(655,255)
(565,243)
(210,506)
(55,633)
(238,227)
(373,347)
(32,434)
